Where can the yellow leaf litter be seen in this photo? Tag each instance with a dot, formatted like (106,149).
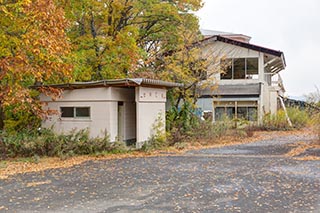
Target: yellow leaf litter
(14,166)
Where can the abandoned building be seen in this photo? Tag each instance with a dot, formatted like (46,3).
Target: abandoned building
(126,109)
(249,85)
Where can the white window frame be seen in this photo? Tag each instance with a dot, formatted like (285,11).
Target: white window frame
(75,113)
(246,68)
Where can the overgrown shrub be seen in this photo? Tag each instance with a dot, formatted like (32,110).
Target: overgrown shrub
(316,125)
(158,137)
(276,121)
(209,130)
(180,121)
(299,119)
(21,116)
(48,143)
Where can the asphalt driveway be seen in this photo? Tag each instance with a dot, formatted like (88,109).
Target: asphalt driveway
(254,177)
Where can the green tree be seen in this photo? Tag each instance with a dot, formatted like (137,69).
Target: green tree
(192,65)
(118,38)
(33,46)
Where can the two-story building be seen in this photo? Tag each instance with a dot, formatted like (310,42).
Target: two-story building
(249,84)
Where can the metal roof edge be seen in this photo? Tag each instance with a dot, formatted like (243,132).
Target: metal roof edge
(126,82)
(244,45)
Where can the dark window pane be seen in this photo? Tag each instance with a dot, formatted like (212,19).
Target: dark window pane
(252,68)
(82,112)
(219,113)
(66,112)
(231,112)
(242,112)
(252,113)
(226,66)
(239,68)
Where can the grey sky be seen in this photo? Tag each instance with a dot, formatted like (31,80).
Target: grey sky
(292,26)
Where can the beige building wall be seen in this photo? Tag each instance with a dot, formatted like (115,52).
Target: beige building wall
(103,103)
(97,123)
(131,112)
(150,103)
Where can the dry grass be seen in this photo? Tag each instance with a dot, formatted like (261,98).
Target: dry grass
(17,166)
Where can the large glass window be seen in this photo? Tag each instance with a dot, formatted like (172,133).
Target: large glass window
(252,68)
(246,110)
(75,112)
(252,113)
(218,113)
(227,65)
(230,112)
(242,113)
(239,68)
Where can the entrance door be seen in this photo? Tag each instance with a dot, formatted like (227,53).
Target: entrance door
(120,121)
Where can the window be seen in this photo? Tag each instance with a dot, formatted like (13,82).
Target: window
(75,112)
(218,113)
(230,112)
(252,113)
(239,68)
(67,112)
(246,110)
(224,112)
(226,66)
(252,68)
(242,112)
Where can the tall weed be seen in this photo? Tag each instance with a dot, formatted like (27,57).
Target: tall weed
(299,119)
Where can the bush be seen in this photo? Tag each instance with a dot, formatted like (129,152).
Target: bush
(209,130)
(316,125)
(277,121)
(299,119)
(158,138)
(180,121)
(47,143)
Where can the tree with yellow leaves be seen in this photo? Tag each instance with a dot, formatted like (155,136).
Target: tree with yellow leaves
(33,48)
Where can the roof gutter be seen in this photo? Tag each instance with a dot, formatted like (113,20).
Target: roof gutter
(131,82)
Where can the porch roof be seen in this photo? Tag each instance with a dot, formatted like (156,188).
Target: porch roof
(231,90)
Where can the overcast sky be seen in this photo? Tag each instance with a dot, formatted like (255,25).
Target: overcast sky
(292,26)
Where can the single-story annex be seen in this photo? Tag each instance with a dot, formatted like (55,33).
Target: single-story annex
(126,109)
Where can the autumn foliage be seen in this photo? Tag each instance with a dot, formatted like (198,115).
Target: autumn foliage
(33,48)
(101,39)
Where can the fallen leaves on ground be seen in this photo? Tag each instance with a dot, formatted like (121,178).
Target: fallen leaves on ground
(302,147)
(32,184)
(12,167)
(307,158)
